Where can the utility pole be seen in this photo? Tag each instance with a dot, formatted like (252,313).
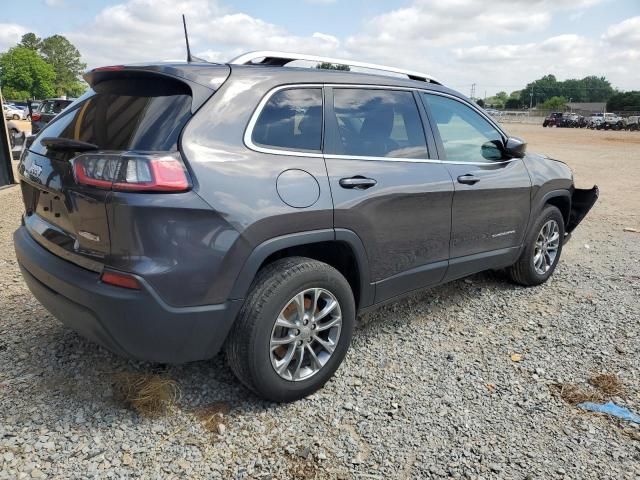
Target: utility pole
(473,91)
(531,101)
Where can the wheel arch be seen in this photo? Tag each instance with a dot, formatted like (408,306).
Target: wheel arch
(560,199)
(340,248)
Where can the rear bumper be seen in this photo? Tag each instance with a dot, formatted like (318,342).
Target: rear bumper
(132,323)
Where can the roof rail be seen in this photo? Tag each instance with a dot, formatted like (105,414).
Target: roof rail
(274,58)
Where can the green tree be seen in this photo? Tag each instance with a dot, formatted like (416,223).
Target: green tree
(31,41)
(333,66)
(502,97)
(65,59)
(513,104)
(24,74)
(554,103)
(624,101)
(542,89)
(77,89)
(598,89)
(480,102)
(498,100)
(587,89)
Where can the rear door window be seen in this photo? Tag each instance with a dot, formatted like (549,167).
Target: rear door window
(291,119)
(378,123)
(126,114)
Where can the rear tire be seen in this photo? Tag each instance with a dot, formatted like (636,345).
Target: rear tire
(257,346)
(12,136)
(16,117)
(543,246)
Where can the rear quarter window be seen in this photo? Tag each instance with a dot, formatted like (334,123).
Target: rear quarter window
(291,119)
(126,114)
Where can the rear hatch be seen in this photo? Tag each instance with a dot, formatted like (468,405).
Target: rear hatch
(112,138)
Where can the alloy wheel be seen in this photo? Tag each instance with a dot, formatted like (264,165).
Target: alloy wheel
(305,334)
(546,248)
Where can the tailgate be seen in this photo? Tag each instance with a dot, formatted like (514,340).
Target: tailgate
(126,111)
(66,218)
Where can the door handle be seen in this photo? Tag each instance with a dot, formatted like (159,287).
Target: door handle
(357,182)
(468,179)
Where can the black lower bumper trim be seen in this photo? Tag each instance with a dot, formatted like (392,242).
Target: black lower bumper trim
(136,324)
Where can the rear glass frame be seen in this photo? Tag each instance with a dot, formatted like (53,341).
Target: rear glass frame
(159,110)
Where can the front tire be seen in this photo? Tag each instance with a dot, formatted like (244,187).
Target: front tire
(293,330)
(543,246)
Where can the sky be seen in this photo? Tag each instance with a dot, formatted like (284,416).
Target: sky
(494,44)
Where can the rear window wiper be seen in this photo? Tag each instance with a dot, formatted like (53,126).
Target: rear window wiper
(67,144)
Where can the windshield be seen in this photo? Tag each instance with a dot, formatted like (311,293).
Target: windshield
(125,114)
(54,106)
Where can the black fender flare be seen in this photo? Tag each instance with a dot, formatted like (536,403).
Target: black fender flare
(264,250)
(540,201)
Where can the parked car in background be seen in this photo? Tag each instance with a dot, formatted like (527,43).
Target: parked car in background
(632,123)
(47,111)
(552,120)
(17,138)
(12,112)
(17,104)
(595,120)
(179,209)
(567,120)
(611,121)
(13,128)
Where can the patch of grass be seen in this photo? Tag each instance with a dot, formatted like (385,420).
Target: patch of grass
(302,469)
(147,394)
(212,415)
(574,394)
(608,383)
(605,385)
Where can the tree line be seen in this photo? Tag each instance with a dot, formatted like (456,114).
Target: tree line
(547,93)
(38,68)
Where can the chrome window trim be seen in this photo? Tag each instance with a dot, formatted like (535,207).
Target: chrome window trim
(383,159)
(248,133)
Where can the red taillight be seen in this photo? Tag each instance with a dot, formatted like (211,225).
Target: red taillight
(36,117)
(120,280)
(132,172)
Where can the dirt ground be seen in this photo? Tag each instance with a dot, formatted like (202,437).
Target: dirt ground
(23,125)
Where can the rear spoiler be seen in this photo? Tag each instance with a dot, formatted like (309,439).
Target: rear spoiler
(202,79)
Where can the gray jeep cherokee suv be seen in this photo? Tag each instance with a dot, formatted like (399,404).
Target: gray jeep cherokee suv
(177,209)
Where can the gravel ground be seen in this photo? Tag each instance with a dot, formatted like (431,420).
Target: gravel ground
(429,389)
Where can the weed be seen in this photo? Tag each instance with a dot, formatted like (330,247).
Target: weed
(147,394)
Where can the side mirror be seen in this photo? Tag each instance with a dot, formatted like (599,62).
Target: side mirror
(515,147)
(492,150)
